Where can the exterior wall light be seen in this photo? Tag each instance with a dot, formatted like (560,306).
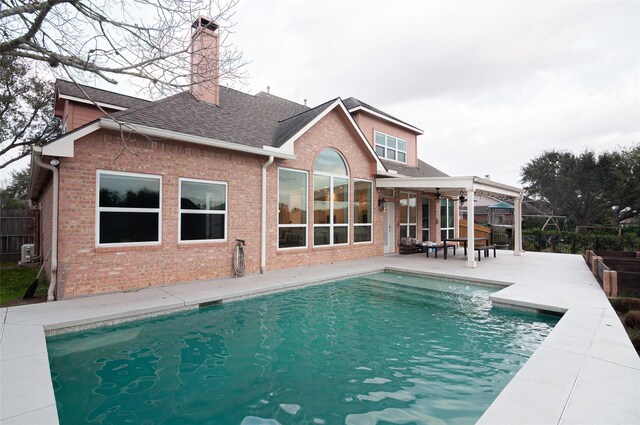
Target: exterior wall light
(55,162)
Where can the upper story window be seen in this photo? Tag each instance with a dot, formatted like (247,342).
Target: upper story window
(390,147)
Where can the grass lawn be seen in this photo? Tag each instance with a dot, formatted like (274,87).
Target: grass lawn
(14,282)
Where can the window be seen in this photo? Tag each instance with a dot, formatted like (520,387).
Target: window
(447,227)
(292,208)
(425,219)
(203,210)
(128,208)
(362,224)
(390,147)
(330,199)
(408,215)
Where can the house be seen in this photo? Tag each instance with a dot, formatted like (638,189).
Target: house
(139,193)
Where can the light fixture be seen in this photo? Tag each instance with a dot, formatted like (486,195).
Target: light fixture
(462,198)
(438,194)
(54,162)
(381,203)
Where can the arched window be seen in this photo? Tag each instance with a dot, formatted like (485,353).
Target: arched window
(330,199)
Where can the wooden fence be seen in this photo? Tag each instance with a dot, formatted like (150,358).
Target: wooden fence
(478,230)
(17,227)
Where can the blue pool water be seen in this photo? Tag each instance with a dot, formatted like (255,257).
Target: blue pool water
(378,349)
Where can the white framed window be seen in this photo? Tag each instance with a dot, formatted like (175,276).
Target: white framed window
(447,226)
(330,199)
(292,208)
(128,208)
(362,211)
(425,218)
(408,215)
(202,211)
(390,147)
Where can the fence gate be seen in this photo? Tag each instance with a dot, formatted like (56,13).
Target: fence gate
(17,227)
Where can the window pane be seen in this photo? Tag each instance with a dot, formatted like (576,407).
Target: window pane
(450,214)
(340,234)
(292,187)
(380,139)
(340,200)
(321,198)
(403,230)
(425,212)
(402,157)
(443,213)
(330,161)
(128,227)
(413,209)
(412,230)
(321,235)
(391,142)
(362,202)
(380,151)
(443,234)
(425,235)
(362,233)
(402,145)
(290,237)
(391,154)
(129,191)
(202,196)
(194,227)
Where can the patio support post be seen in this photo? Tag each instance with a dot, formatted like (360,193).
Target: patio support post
(471,262)
(517,225)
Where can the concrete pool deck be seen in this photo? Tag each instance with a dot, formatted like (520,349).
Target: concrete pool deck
(586,371)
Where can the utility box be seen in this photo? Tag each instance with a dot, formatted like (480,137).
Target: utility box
(26,253)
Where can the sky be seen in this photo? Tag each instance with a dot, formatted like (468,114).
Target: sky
(492,84)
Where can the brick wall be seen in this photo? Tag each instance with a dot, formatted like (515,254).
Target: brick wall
(87,269)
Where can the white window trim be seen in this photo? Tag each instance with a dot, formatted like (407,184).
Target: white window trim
(396,149)
(120,209)
(372,210)
(212,212)
(278,225)
(407,223)
(331,225)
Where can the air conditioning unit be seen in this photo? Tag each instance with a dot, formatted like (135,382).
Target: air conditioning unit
(26,253)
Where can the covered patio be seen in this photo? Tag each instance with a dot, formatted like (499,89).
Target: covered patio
(464,189)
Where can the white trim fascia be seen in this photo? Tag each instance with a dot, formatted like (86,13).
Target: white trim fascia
(91,102)
(391,120)
(64,146)
(183,137)
(444,183)
(288,146)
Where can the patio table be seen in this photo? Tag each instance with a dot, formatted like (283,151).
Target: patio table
(463,240)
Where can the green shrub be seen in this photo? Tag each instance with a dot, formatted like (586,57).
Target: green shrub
(632,319)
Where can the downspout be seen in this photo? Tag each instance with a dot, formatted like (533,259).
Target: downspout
(54,225)
(263,239)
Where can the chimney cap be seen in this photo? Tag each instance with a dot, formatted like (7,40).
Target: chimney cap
(205,23)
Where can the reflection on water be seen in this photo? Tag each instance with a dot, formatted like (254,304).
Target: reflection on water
(383,348)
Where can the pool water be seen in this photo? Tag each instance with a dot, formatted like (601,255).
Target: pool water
(379,349)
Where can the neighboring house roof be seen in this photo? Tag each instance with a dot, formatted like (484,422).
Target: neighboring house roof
(422,170)
(352,104)
(80,92)
(501,205)
(250,120)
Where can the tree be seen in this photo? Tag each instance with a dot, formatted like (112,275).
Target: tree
(26,111)
(16,194)
(587,188)
(147,39)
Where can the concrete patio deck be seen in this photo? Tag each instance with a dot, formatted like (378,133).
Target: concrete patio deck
(585,372)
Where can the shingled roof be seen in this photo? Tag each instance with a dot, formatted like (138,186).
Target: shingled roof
(422,170)
(352,103)
(68,88)
(251,120)
(290,126)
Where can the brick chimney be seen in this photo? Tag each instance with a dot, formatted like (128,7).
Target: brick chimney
(205,48)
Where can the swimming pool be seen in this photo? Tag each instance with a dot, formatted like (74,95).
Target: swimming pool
(383,348)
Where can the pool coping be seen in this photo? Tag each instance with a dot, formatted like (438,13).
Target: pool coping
(586,371)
